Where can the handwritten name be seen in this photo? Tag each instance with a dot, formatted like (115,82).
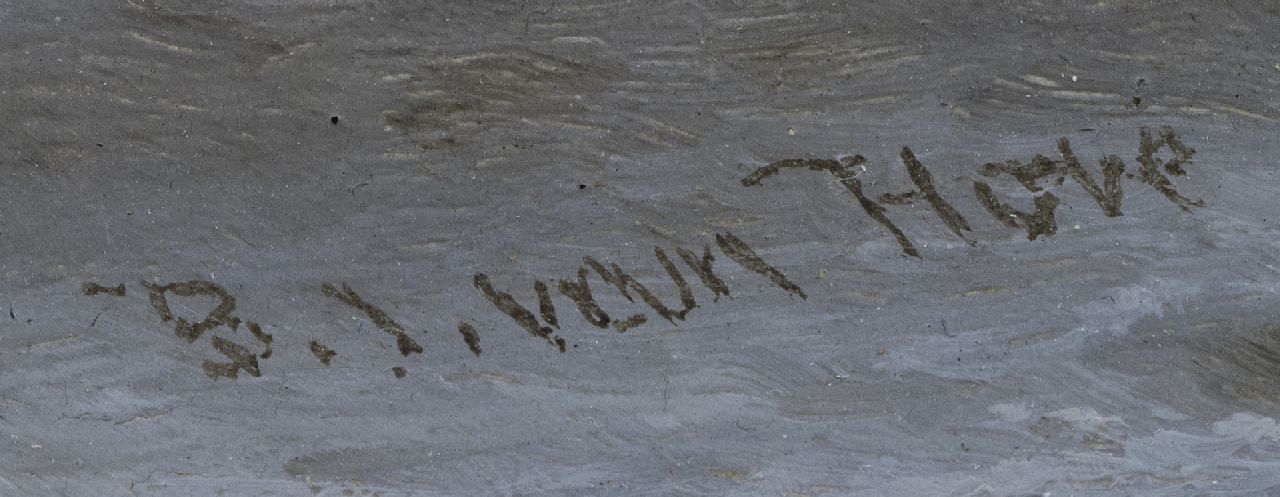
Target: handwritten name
(545,324)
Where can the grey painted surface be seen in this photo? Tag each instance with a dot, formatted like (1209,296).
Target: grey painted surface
(167,141)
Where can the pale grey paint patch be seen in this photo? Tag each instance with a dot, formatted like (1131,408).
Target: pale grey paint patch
(168,141)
